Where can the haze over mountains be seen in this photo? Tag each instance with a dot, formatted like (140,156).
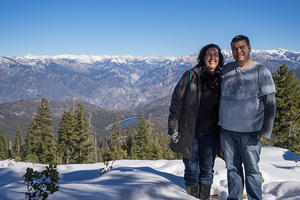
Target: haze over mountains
(111,82)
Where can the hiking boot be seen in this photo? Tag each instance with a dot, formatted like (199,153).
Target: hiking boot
(192,190)
(204,191)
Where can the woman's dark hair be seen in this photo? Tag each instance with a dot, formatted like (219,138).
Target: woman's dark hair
(201,56)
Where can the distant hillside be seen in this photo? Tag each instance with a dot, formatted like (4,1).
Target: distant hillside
(18,114)
(159,110)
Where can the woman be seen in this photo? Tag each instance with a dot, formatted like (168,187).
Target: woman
(193,120)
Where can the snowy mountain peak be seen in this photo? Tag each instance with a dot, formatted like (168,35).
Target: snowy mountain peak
(7,61)
(124,59)
(95,58)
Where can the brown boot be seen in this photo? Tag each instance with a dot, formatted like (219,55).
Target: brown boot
(192,190)
(204,191)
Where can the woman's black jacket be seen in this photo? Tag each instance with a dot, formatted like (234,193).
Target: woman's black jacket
(184,110)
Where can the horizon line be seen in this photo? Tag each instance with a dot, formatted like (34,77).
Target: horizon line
(28,55)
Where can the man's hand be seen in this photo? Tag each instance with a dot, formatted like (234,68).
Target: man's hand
(261,138)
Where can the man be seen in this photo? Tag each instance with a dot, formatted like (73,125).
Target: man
(247,112)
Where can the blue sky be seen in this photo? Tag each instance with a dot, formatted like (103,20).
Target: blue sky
(144,28)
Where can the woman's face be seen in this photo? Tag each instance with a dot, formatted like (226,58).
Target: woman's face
(211,59)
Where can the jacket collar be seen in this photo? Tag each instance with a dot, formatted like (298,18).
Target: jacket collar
(197,69)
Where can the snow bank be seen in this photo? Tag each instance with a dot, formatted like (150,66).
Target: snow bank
(144,179)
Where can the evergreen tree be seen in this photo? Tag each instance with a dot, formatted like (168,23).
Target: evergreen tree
(132,146)
(99,152)
(117,142)
(93,155)
(287,121)
(18,144)
(39,142)
(66,141)
(82,136)
(96,156)
(104,149)
(3,147)
(31,145)
(157,152)
(45,127)
(144,147)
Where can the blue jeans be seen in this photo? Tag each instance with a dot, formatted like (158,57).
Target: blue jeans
(200,167)
(242,148)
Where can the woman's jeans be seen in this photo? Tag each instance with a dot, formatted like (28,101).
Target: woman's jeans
(242,148)
(200,167)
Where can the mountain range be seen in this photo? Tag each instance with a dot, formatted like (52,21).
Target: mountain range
(111,82)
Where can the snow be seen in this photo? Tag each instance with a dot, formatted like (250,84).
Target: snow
(144,179)
(120,59)
(30,59)
(134,77)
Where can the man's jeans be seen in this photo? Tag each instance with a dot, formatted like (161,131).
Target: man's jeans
(241,148)
(200,167)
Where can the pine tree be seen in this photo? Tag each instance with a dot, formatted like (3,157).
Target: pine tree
(93,155)
(82,136)
(117,149)
(157,152)
(39,142)
(66,142)
(144,147)
(18,144)
(287,121)
(104,148)
(31,145)
(132,146)
(3,147)
(45,126)
(96,154)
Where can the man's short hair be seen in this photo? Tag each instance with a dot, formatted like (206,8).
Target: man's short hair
(240,38)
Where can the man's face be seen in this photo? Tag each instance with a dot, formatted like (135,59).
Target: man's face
(241,52)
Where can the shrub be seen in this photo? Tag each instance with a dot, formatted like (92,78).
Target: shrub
(18,158)
(40,184)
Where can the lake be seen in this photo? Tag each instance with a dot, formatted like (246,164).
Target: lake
(128,121)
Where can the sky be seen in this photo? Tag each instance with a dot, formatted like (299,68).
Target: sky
(143,27)
(151,179)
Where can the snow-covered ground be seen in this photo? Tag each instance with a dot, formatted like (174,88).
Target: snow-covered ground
(144,179)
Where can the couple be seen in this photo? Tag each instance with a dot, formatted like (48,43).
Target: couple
(232,107)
